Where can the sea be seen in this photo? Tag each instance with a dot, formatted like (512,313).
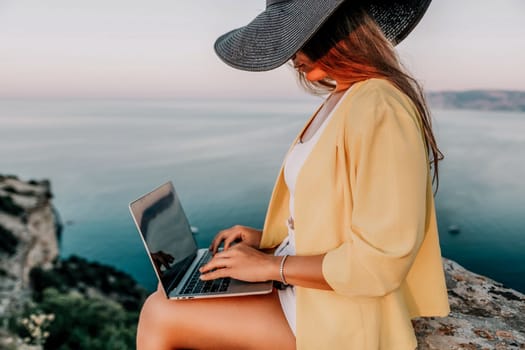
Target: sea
(223,157)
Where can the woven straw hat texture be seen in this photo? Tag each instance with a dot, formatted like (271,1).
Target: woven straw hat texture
(276,34)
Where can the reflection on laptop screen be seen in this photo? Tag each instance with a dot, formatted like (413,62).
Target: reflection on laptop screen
(167,234)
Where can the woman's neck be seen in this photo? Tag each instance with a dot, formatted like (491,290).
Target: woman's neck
(341,87)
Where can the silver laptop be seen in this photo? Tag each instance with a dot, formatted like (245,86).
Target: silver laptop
(172,249)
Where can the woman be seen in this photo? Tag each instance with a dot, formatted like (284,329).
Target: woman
(351,223)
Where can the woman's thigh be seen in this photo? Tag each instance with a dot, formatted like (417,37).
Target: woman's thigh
(250,322)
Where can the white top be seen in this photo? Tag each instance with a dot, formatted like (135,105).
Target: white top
(292,167)
(300,152)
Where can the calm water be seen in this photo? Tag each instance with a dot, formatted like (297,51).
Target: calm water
(223,158)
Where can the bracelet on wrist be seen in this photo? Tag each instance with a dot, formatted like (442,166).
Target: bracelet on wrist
(281,270)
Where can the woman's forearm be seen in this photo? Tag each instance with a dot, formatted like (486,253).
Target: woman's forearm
(246,263)
(303,271)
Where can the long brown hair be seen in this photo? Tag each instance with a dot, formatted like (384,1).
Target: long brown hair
(351,47)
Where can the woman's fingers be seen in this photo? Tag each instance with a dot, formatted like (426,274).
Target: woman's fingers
(240,262)
(219,273)
(219,261)
(218,240)
(232,238)
(227,237)
(220,266)
(213,265)
(248,235)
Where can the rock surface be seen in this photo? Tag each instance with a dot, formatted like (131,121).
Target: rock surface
(484,315)
(28,215)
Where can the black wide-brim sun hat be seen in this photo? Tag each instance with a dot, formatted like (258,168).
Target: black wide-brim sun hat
(276,34)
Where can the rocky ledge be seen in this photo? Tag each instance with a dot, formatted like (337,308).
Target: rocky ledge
(485,315)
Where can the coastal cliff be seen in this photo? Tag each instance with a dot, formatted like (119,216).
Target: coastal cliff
(78,304)
(28,229)
(486,100)
(51,303)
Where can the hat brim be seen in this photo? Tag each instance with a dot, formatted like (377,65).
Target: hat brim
(275,35)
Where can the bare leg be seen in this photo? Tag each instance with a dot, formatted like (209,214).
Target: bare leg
(250,322)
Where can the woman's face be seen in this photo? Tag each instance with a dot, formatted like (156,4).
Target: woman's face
(311,70)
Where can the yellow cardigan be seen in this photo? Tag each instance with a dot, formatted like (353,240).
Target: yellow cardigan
(364,197)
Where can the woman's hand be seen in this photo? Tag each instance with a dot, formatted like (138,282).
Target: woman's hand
(247,235)
(242,262)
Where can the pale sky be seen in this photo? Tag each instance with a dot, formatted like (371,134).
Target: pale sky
(164,48)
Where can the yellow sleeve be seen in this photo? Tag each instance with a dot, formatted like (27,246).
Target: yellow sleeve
(388,170)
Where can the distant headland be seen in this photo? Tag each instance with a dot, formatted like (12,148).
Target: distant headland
(486,100)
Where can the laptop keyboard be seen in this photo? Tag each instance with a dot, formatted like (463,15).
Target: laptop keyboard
(196,286)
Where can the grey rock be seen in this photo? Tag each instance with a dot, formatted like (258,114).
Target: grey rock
(485,315)
(35,231)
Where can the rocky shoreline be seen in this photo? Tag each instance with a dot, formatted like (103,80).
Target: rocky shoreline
(26,214)
(63,303)
(484,313)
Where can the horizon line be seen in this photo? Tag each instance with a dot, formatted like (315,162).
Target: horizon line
(306,96)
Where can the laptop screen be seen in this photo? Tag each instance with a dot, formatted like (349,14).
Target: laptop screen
(166,233)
